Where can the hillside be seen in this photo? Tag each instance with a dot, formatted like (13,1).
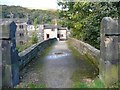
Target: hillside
(43,16)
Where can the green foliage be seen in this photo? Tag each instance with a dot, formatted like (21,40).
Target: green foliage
(31,85)
(35,23)
(20,48)
(34,38)
(43,16)
(94,84)
(80,85)
(97,84)
(84,18)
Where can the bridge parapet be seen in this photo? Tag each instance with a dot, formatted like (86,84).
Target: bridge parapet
(28,54)
(12,61)
(85,49)
(109,50)
(10,69)
(107,59)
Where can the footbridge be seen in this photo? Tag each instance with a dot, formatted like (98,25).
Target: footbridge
(57,63)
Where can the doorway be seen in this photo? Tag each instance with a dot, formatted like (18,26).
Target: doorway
(48,36)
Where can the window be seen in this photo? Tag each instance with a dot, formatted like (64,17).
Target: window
(52,29)
(61,35)
(58,35)
(21,26)
(47,36)
(21,42)
(21,34)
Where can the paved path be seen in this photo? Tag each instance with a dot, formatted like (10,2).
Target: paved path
(59,66)
(55,70)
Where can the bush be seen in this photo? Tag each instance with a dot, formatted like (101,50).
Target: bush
(34,38)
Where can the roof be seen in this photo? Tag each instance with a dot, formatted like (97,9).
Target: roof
(61,28)
(51,26)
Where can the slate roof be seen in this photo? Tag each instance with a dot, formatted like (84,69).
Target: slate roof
(51,26)
(61,28)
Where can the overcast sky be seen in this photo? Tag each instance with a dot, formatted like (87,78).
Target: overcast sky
(34,4)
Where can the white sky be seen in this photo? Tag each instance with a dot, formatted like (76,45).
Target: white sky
(34,4)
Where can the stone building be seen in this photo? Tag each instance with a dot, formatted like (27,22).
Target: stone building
(38,31)
(21,33)
(55,31)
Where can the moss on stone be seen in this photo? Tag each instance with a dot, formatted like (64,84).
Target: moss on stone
(5,31)
(89,71)
(91,60)
(110,75)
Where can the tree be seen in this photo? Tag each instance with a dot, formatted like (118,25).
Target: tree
(84,18)
(43,16)
(35,23)
(34,38)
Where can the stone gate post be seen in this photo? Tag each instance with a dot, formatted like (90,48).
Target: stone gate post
(10,69)
(109,51)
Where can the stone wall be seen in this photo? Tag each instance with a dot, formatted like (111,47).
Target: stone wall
(92,53)
(108,58)
(10,69)
(12,61)
(109,51)
(31,52)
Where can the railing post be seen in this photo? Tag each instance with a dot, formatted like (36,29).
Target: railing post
(10,69)
(109,50)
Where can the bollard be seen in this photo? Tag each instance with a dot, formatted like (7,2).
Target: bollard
(10,69)
(109,50)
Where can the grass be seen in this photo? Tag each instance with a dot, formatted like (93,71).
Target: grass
(80,85)
(97,83)
(93,84)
